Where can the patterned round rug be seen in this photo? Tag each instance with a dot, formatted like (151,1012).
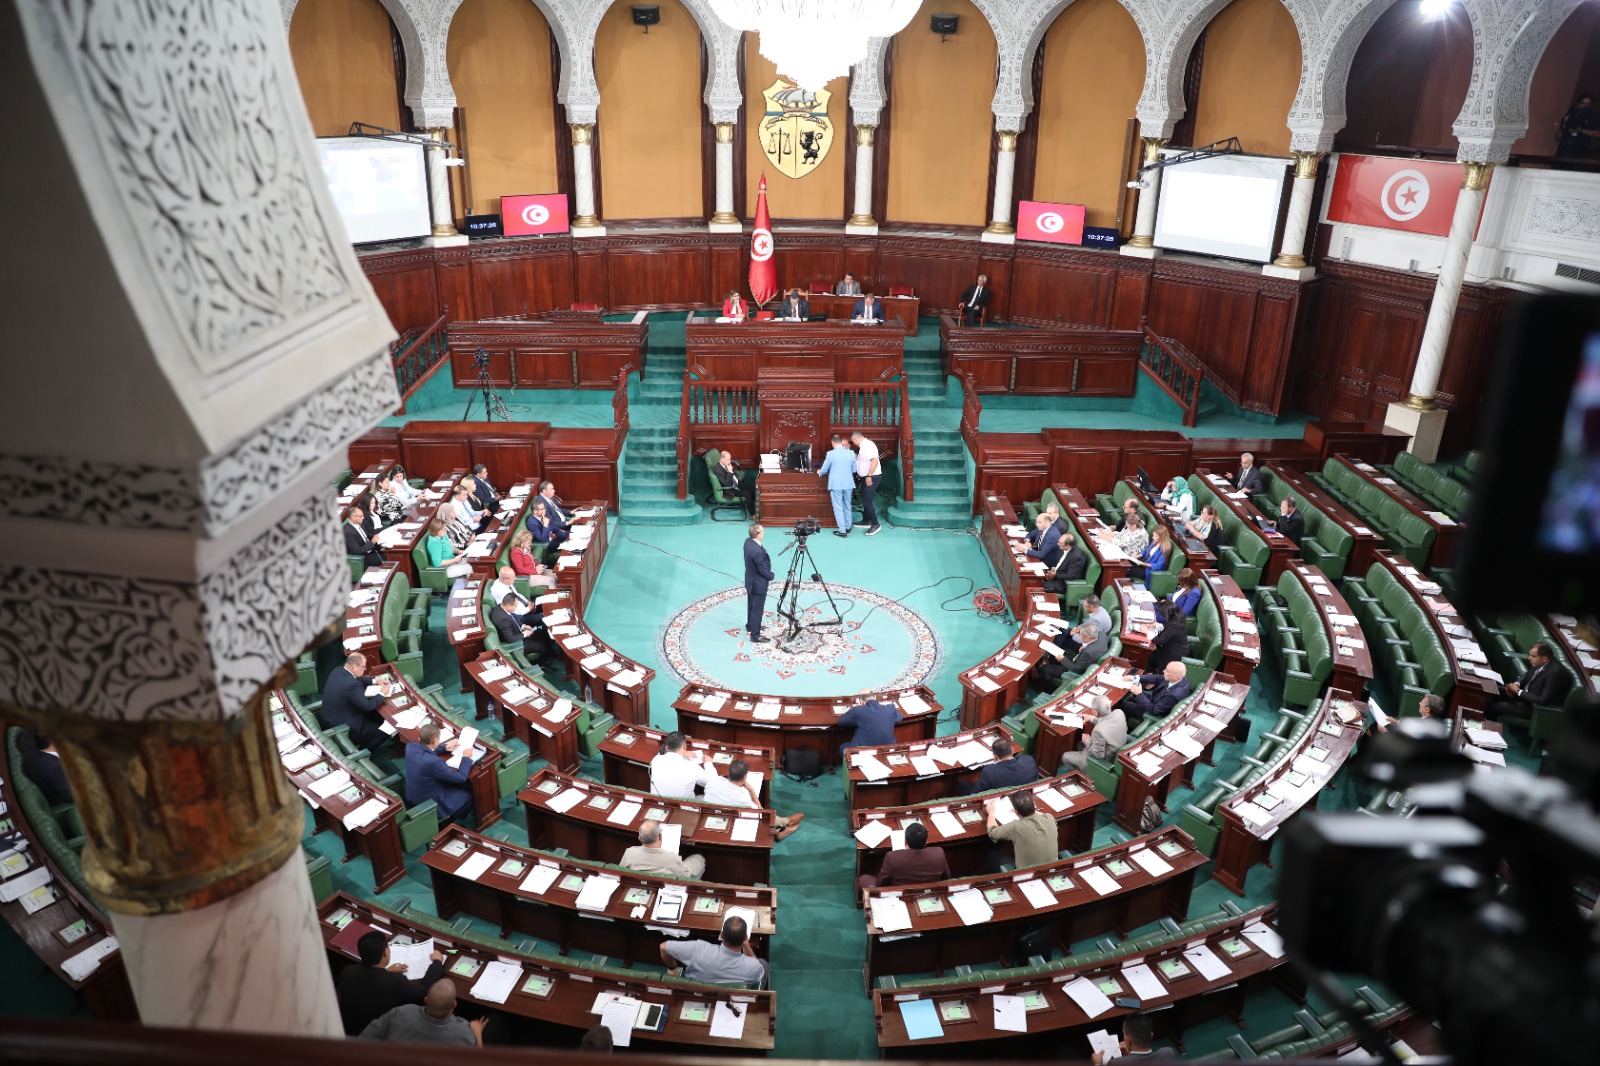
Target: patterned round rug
(878,644)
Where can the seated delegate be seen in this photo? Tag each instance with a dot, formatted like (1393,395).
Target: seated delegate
(1187,597)
(1110,732)
(1010,768)
(650,856)
(868,309)
(733,306)
(1158,694)
(369,989)
(429,775)
(730,961)
(914,864)
(873,723)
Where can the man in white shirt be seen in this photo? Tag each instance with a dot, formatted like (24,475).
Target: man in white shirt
(737,790)
(870,470)
(676,773)
(526,614)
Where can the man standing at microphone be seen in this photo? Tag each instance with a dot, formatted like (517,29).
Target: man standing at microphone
(757,573)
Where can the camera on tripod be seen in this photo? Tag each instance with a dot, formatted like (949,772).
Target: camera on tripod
(480,359)
(805,528)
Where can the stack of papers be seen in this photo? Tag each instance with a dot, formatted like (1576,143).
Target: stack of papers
(873,834)
(970,905)
(1087,995)
(890,914)
(366,813)
(596,893)
(866,762)
(497,981)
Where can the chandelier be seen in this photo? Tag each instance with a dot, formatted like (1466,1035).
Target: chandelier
(811,42)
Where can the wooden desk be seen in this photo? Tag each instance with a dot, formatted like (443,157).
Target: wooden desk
(587,831)
(1094,536)
(1061,719)
(781,723)
(544,720)
(1294,781)
(555,352)
(578,568)
(1001,533)
(1564,631)
(363,613)
(784,497)
(364,482)
(1139,625)
(502,894)
(377,839)
(1152,767)
(1197,556)
(945,941)
(627,750)
(905,784)
(1447,531)
(993,685)
(105,988)
(1476,682)
(1282,550)
(1241,637)
(563,1007)
(1347,644)
(1058,1026)
(736,351)
(1071,798)
(1061,361)
(1364,541)
(465,625)
(902,311)
(403,716)
(613,682)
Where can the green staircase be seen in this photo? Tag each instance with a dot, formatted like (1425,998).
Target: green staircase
(650,480)
(943,501)
(924,378)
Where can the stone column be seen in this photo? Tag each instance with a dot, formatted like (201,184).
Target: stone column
(862,223)
(1417,414)
(1000,230)
(1143,243)
(444,226)
(724,220)
(584,222)
(1291,261)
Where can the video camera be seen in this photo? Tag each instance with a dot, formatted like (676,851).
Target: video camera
(480,359)
(805,528)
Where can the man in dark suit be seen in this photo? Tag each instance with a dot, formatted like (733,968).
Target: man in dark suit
(1087,646)
(914,864)
(429,776)
(487,499)
(1009,769)
(42,765)
(1159,694)
(560,518)
(357,541)
(345,702)
(512,629)
(795,306)
(1074,561)
(1247,478)
(1543,684)
(733,487)
(1047,548)
(370,989)
(974,300)
(757,574)
(1289,522)
(849,286)
(544,529)
(867,309)
(872,721)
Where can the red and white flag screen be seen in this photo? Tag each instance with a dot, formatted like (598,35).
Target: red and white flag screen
(522,216)
(763,271)
(1052,223)
(1413,195)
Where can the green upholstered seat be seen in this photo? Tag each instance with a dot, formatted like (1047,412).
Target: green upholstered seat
(716,498)
(1296,634)
(1436,487)
(320,871)
(1243,554)
(1326,544)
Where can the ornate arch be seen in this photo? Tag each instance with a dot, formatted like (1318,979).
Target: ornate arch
(723,94)
(427,85)
(867,85)
(1169,29)
(1508,38)
(1329,39)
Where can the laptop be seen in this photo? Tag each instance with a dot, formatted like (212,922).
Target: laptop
(1145,483)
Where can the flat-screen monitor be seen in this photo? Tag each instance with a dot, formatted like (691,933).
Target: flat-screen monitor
(380,187)
(1226,206)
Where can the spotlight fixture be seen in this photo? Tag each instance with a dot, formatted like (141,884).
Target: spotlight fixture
(646,15)
(944,25)
(1433,9)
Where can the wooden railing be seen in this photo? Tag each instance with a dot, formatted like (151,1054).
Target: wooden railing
(416,356)
(908,448)
(1175,368)
(971,412)
(866,406)
(619,419)
(712,403)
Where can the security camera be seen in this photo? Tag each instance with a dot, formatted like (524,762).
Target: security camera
(1138,184)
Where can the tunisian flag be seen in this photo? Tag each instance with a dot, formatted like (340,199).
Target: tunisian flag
(763,271)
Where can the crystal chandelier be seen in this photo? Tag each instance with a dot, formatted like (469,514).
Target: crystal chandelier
(811,42)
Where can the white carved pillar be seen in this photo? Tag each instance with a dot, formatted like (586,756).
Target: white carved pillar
(861,222)
(1417,414)
(584,222)
(444,225)
(724,220)
(1143,241)
(1000,230)
(1291,260)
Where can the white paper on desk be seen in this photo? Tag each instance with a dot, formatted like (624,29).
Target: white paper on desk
(559,711)
(942,755)
(323,787)
(672,836)
(289,741)
(984,684)
(566,800)
(1480,755)
(540,878)
(1152,862)
(414,957)
(618,1016)
(596,892)
(873,834)
(497,981)
(17,887)
(713,704)
(300,758)
(744,829)
(628,678)
(88,960)
(869,765)
(1086,994)
(923,765)
(1264,938)
(1038,894)
(495,673)
(725,1024)
(1486,739)
(971,906)
(1098,879)
(890,914)
(475,865)
(1144,982)
(1149,765)
(1205,960)
(1183,745)
(973,753)
(575,642)
(1105,1045)
(1016,663)
(1052,798)
(624,813)
(1250,812)
(366,813)
(947,824)
(1010,1016)
(469,740)
(911,703)
(1004,813)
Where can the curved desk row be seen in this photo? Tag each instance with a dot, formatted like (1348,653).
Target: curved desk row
(1005,541)
(1061,720)
(787,722)
(991,686)
(627,750)
(1165,757)
(404,714)
(544,720)
(890,775)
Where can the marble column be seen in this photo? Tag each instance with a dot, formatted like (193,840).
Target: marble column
(1418,414)
(1291,260)
(584,222)
(444,226)
(724,220)
(1143,243)
(1000,230)
(862,223)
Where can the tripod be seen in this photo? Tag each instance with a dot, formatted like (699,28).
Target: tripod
(492,403)
(789,597)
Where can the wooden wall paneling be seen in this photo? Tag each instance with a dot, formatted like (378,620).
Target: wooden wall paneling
(655,272)
(1131,301)
(1016,464)
(1272,344)
(742,440)
(1087,467)
(406,285)
(1469,362)
(730,268)
(861,259)
(995,262)
(1063,287)
(1044,375)
(1163,455)
(453,267)
(512,452)
(1105,376)
(939,271)
(802,260)
(497,289)
(579,462)
(542,366)
(464,375)
(590,275)
(381,444)
(428,456)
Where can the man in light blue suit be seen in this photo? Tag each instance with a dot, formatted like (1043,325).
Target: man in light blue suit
(840,470)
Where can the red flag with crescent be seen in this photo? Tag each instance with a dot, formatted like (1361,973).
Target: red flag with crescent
(763,271)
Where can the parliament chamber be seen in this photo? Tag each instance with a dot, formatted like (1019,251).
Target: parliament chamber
(993,535)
